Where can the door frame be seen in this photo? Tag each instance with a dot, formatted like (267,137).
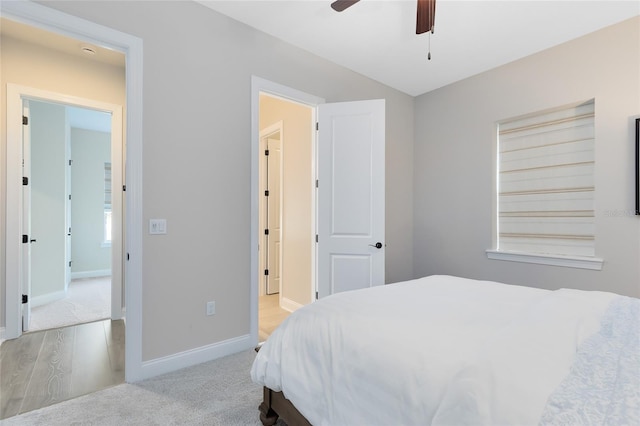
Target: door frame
(43,17)
(262,179)
(261,85)
(15,96)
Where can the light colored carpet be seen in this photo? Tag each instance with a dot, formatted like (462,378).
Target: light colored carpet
(217,392)
(87,300)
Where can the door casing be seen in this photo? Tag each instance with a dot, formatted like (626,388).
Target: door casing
(15,96)
(25,267)
(265,134)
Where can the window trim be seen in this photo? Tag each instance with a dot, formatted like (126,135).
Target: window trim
(580,262)
(592,263)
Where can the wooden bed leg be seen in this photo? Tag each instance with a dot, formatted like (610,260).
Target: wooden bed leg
(268,417)
(276,407)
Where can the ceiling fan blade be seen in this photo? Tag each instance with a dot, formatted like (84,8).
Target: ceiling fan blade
(426,16)
(341,5)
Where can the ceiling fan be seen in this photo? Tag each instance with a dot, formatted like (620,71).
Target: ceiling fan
(425,16)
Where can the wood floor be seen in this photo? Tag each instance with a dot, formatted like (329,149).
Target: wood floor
(45,367)
(270,315)
(42,368)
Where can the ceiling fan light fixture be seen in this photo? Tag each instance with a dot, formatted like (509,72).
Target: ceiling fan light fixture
(341,5)
(425,16)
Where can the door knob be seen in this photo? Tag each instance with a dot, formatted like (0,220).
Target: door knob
(377,245)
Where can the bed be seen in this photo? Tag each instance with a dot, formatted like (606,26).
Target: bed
(446,350)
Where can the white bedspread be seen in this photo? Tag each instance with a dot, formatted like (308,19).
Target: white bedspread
(437,350)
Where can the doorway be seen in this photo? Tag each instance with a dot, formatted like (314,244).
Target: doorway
(70,189)
(286,204)
(54,114)
(346,176)
(131,47)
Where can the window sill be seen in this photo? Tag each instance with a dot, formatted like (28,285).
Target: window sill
(593,263)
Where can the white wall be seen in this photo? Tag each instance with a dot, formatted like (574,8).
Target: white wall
(454,165)
(48,142)
(33,66)
(197,149)
(89,150)
(297,194)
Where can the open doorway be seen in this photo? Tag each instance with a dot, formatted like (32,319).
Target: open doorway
(286,202)
(343,211)
(112,45)
(70,189)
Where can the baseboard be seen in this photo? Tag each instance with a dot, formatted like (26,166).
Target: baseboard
(48,298)
(167,364)
(289,305)
(91,274)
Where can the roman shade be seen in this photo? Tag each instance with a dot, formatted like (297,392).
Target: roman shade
(546,182)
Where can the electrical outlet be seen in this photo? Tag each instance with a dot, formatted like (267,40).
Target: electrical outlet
(211,308)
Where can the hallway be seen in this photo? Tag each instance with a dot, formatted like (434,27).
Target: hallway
(46,367)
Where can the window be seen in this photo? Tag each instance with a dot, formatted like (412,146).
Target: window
(546,188)
(107,204)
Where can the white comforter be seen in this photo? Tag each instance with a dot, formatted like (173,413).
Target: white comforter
(437,350)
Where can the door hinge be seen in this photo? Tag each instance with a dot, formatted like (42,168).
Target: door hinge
(266,152)
(25,298)
(317,126)
(25,239)
(124,188)
(69,264)
(266,232)
(316,183)
(25,180)
(316,295)
(70,162)
(266,193)
(127,256)
(25,120)
(316,238)
(69,196)
(266,272)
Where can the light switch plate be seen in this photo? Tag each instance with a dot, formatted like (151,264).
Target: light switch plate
(157,226)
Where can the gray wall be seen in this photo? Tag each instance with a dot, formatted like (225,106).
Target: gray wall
(89,150)
(197,150)
(454,166)
(48,141)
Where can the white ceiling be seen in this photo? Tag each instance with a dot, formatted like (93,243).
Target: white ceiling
(377,38)
(89,119)
(58,42)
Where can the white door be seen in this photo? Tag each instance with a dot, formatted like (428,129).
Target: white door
(351,202)
(27,238)
(274,216)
